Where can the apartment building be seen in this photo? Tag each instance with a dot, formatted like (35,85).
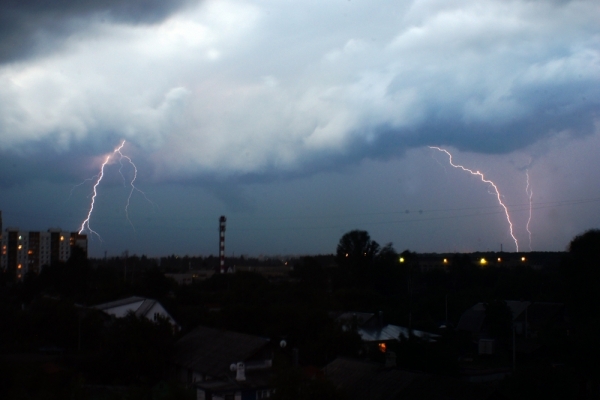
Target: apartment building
(28,251)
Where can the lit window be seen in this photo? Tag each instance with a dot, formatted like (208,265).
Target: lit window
(20,247)
(20,266)
(382,347)
(62,238)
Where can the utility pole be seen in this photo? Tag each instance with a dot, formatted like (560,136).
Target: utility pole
(125,264)
(514,348)
(446,310)
(410,298)
(79,332)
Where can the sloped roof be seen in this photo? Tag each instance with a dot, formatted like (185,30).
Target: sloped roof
(392,332)
(145,307)
(472,319)
(212,351)
(119,303)
(140,306)
(517,307)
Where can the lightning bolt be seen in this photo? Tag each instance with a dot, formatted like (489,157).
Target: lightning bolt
(482,177)
(79,184)
(133,187)
(86,223)
(529,193)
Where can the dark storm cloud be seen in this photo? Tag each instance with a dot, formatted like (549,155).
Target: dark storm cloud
(35,27)
(226,91)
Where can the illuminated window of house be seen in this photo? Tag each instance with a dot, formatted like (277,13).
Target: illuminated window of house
(382,347)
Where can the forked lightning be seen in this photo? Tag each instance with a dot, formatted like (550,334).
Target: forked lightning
(85,225)
(492,184)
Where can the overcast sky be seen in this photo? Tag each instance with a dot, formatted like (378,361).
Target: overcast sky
(300,121)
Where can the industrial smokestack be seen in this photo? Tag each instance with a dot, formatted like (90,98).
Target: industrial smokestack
(222,221)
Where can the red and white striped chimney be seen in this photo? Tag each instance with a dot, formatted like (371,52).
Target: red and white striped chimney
(222,220)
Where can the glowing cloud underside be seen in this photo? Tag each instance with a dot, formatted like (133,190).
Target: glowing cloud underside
(492,184)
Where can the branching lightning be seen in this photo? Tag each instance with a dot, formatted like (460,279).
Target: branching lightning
(86,223)
(79,184)
(529,193)
(133,187)
(492,184)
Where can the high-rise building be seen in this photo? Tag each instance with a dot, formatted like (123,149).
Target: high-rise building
(28,251)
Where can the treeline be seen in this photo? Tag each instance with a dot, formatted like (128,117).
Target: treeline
(48,311)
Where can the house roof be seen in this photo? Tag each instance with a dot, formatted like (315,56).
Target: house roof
(140,306)
(517,307)
(472,319)
(392,332)
(119,303)
(212,351)
(145,307)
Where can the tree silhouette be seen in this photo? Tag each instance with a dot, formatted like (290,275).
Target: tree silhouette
(356,249)
(581,272)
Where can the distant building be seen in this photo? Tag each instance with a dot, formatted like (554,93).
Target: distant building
(28,251)
(374,334)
